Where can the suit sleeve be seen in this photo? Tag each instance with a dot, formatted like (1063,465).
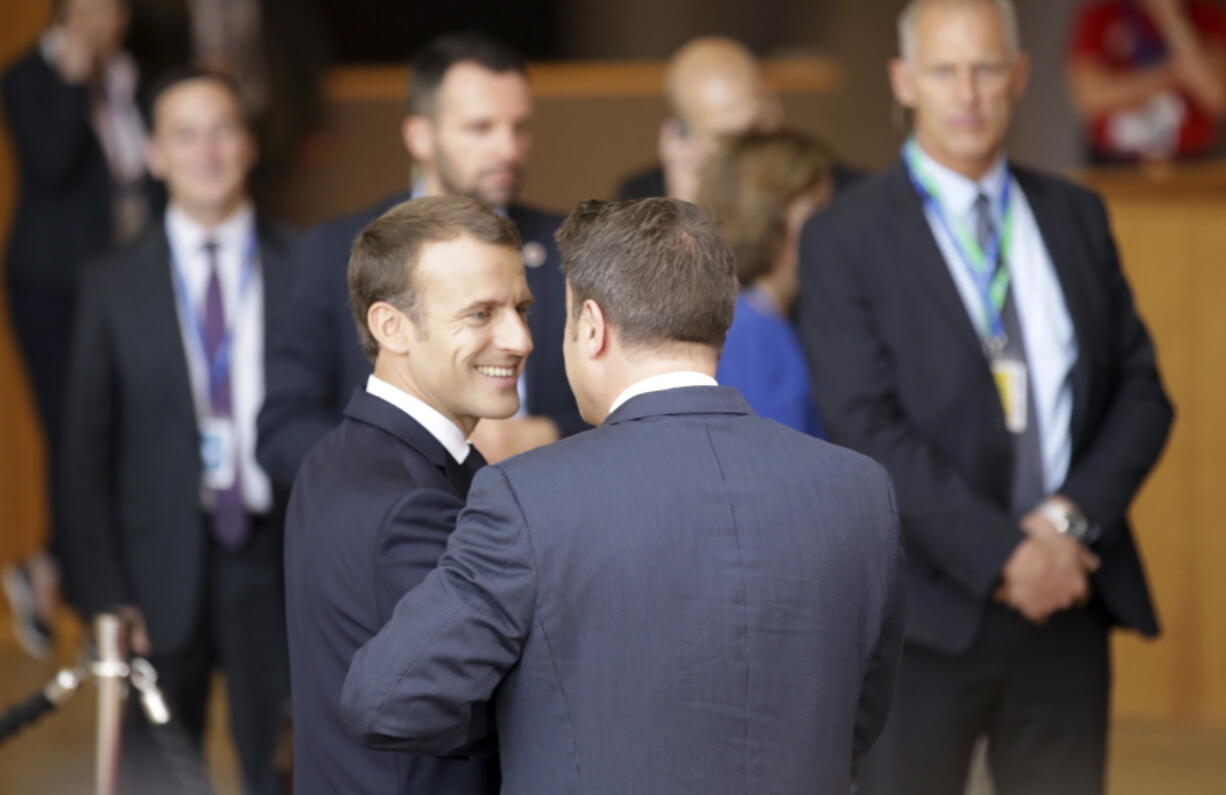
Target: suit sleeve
(1136,419)
(303,366)
(422,683)
(411,540)
(91,423)
(947,522)
(49,120)
(877,690)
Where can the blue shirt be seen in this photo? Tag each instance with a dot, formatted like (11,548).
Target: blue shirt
(763,360)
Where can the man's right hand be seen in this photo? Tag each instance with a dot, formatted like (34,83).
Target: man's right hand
(1048,572)
(136,631)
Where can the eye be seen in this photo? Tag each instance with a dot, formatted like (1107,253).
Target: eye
(523,309)
(480,314)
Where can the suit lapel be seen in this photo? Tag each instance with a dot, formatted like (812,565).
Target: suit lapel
(1069,259)
(159,305)
(276,270)
(366,408)
(919,247)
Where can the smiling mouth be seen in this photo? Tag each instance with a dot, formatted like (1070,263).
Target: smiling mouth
(496,372)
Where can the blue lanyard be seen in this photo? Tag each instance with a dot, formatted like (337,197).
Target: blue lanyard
(986,266)
(219,365)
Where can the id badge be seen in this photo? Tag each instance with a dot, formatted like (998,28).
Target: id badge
(1010,378)
(217,453)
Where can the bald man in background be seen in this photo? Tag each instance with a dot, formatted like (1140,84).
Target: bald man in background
(715,91)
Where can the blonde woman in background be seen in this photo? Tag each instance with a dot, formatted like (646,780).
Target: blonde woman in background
(761,188)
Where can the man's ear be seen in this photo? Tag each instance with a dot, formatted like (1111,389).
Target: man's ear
(902,82)
(593,330)
(417,133)
(390,327)
(153,159)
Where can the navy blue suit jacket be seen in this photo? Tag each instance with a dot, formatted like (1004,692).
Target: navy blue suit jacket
(369,516)
(131,451)
(688,598)
(315,360)
(899,374)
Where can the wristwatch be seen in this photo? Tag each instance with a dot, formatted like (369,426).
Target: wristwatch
(1072,523)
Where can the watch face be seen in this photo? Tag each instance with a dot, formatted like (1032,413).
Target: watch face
(1078,527)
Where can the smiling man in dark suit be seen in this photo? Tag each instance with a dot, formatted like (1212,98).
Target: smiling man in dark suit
(688,597)
(970,328)
(439,295)
(468,131)
(168,515)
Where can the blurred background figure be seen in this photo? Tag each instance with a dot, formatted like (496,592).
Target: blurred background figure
(79,142)
(761,188)
(1149,77)
(715,90)
(169,518)
(275,50)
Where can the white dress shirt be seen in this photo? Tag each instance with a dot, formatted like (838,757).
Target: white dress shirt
(244,309)
(449,435)
(657,383)
(1047,328)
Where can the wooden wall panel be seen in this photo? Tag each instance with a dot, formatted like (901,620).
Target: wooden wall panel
(22,514)
(1173,244)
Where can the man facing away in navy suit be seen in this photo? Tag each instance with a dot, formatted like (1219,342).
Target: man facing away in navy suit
(439,295)
(468,132)
(688,597)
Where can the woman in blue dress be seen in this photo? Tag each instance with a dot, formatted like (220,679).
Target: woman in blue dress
(761,188)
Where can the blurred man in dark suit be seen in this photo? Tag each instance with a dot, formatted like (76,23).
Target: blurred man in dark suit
(438,292)
(167,512)
(468,131)
(969,327)
(687,598)
(79,142)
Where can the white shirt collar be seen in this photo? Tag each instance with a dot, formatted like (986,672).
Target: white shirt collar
(189,237)
(444,430)
(657,383)
(958,192)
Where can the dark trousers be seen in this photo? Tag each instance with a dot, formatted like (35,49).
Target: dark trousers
(1039,694)
(42,326)
(241,631)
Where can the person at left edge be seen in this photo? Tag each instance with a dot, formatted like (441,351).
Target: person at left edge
(467,130)
(167,512)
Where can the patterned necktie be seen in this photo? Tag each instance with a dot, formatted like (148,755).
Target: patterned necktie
(1027,488)
(229,516)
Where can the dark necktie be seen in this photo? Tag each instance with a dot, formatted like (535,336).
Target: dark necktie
(461,475)
(229,516)
(1027,488)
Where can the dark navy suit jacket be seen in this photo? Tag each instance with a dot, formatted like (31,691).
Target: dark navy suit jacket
(369,515)
(689,598)
(315,360)
(899,374)
(131,472)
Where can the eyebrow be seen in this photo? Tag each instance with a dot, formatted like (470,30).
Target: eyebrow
(486,302)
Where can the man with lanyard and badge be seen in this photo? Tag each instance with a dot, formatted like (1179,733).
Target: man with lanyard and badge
(170,518)
(969,327)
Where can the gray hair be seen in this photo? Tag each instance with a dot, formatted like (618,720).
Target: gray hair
(910,15)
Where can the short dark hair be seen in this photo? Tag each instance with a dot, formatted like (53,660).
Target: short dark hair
(656,267)
(433,61)
(176,77)
(385,253)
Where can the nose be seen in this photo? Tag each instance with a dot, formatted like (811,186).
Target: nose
(509,144)
(967,86)
(513,335)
